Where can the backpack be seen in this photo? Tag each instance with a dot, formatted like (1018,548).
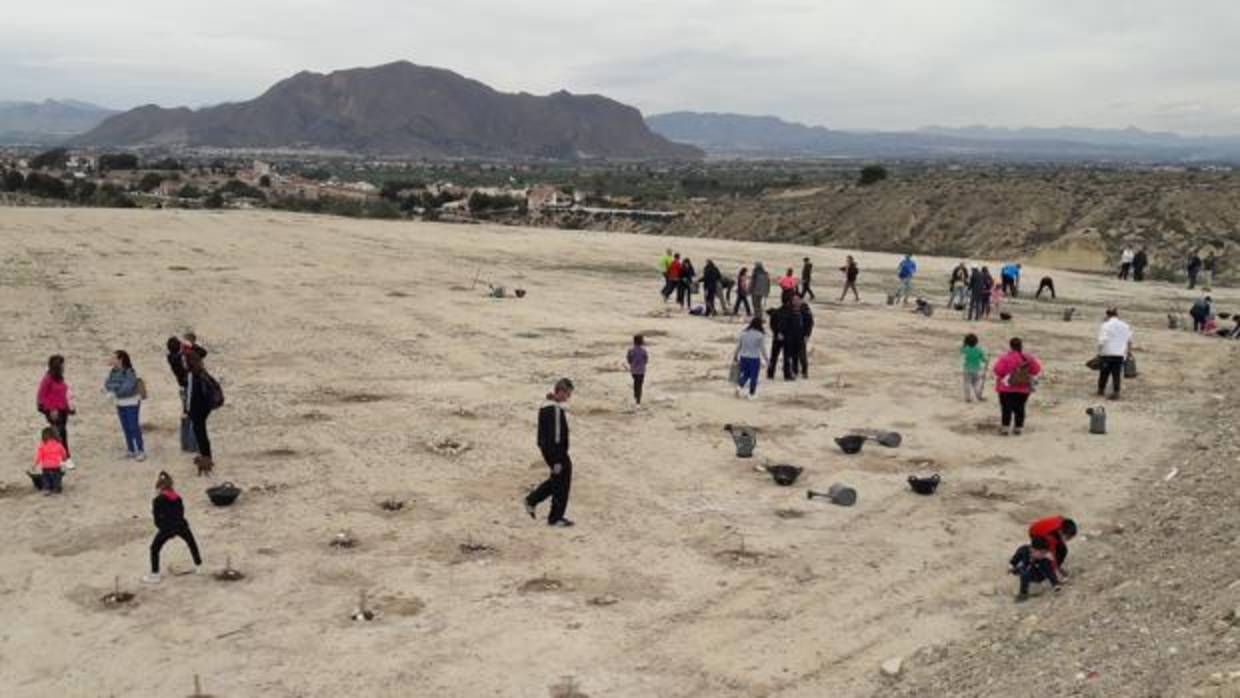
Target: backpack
(1019,377)
(213,387)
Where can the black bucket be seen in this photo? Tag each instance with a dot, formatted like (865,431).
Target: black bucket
(850,444)
(223,495)
(924,485)
(784,475)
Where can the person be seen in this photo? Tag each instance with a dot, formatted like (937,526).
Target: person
(673,280)
(1034,564)
(978,295)
(1194,268)
(168,510)
(1125,262)
(760,288)
(1200,312)
(193,347)
(123,385)
(1209,267)
(988,284)
(974,365)
(788,282)
(637,358)
(1054,532)
(807,276)
(750,354)
(202,397)
(742,292)
(687,275)
(176,363)
(801,364)
(1047,284)
(726,284)
(1010,279)
(49,459)
(904,273)
(995,302)
(710,281)
(1015,373)
(55,403)
(1114,343)
(1139,263)
(665,265)
(788,334)
(553,443)
(958,287)
(851,272)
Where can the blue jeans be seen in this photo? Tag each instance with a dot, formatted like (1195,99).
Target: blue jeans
(750,368)
(132,427)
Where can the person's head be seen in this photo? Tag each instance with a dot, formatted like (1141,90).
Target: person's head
(796,300)
(163,483)
(743,272)
(191,337)
(970,340)
(686,260)
(676,256)
(121,360)
(1018,265)
(638,340)
(756,324)
(1112,312)
(563,390)
(669,252)
(174,345)
(806,260)
(850,259)
(56,367)
(1068,529)
(757,266)
(789,272)
(1016,344)
(50,434)
(193,361)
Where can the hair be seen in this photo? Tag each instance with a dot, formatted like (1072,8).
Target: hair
(56,368)
(51,433)
(164,481)
(191,337)
(639,340)
(676,256)
(1068,528)
(970,340)
(789,271)
(1039,544)
(1016,344)
(756,324)
(743,272)
(807,259)
(123,357)
(1112,312)
(174,345)
(564,385)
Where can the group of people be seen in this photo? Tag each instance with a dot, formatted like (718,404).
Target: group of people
(200,395)
(751,287)
(1132,265)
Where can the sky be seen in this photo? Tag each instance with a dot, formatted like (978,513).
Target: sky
(857,64)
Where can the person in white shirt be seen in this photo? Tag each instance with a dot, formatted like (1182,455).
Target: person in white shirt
(1125,262)
(1114,343)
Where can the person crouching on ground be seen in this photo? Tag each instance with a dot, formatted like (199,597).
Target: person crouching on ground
(1055,532)
(48,459)
(1015,372)
(637,359)
(553,443)
(168,510)
(750,354)
(1034,563)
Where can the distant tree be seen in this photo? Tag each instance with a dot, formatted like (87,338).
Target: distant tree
(318,173)
(479,202)
(150,181)
(265,181)
(237,188)
(393,187)
(214,200)
(54,159)
(112,196)
(189,191)
(118,161)
(872,174)
(12,181)
(165,164)
(82,191)
(39,184)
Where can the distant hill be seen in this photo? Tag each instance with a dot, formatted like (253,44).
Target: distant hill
(767,136)
(47,122)
(401,109)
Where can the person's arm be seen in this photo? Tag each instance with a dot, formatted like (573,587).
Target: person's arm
(44,390)
(546,434)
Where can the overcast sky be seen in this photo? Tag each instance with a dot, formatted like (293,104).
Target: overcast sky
(883,64)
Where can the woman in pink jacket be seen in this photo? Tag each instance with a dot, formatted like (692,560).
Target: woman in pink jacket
(54,402)
(1015,372)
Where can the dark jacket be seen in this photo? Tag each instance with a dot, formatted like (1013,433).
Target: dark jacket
(687,272)
(977,282)
(851,271)
(807,272)
(176,362)
(711,277)
(552,432)
(1140,261)
(807,320)
(789,323)
(1194,264)
(201,398)
(168,511)
(960,277)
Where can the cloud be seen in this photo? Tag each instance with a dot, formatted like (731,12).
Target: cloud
(879,64)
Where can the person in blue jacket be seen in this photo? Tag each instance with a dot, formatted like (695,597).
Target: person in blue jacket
(905,273)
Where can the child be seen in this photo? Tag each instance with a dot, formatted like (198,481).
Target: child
(975,366)
(636,360)
(169,513)
(1034,563)
(48,459)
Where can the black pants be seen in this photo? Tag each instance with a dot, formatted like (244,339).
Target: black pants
(52,478)
(1138,273)
(1009,286)
(802,359)
(1035,572)
(1112,367)
(668,287)
(61,422)
(687,288)
(1124,269)
(806,290)
(163,536)
(638,380)
(977,306)
(710,301)
(742,299)
(1046,285)
(1012,405)
(850,286)
(199,422)
(556,487)
(1192,280)
(781,347)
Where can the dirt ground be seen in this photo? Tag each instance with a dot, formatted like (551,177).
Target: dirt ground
(357,357)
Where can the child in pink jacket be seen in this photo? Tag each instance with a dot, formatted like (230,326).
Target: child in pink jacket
(48,459)
(1015,374)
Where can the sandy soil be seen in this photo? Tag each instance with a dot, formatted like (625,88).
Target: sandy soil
(348,349)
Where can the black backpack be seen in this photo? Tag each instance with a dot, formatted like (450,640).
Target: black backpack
(214,389)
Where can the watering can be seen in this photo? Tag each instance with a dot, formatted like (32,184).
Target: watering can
(1097,420)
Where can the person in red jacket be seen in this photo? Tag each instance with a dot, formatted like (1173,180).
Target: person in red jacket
(1055,531)
(55,403)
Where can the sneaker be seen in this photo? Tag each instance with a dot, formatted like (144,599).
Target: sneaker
(68,464)
(152,578)
(751,396)
(1017,431)
(197,569)
(130,454)
(562,523)
(529,509)
(1021,598)
(1004,431)
(139,456)
(739,393)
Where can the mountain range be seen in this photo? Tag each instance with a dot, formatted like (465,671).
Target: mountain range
(737,135)
(400,109)
(48,122)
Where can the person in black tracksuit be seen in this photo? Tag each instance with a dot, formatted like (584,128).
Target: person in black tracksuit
(807,329)
(711,278)
(553,443)
(807,274)
(169,512)
(201,400)
(787,337)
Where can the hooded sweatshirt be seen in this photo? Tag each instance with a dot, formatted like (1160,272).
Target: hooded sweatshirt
(168,510)
(53,394)
(760,285)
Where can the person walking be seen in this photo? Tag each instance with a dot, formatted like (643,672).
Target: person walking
(788,282)
(1209,267)
(750,354)
(687,276)
(851,272)
(742,292)
(807,277)
(974,365)
(673,279)
(958,287)
(1114,343)
(905,272)
(1125,262)
(126,390)
(1194,268)
(665,265)
(1139,263)
(1015,373)
(1047,284)
(168,510)
(203,396)
(760,288)
(55,402)
(711,278)
(553,443)
(807,331)
(637,358)
(977,292)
